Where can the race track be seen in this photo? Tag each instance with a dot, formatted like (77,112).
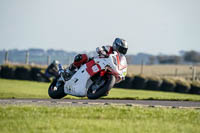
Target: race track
(103,102)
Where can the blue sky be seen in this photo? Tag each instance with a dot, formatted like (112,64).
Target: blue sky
(151,26)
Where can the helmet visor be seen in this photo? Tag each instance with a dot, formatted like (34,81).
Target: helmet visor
(122,50)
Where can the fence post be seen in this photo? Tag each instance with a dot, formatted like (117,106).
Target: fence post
(193,73)
(176,72)
(48,60)
(27,58)
(142,67)
(6,57)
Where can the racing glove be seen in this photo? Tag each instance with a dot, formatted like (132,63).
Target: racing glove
(101,52)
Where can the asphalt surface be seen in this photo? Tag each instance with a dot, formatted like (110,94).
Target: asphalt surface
(103,102)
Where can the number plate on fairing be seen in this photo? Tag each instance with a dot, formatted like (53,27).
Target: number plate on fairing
(92,68)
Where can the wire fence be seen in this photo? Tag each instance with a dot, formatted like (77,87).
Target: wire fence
(189,72)
(35,59)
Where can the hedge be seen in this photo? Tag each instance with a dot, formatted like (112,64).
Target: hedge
(195,87)
(8,71)
(23,72)
(36,73)
(0,71)
(125,83)
(167,85)
(139,82)
(153,83)
(182,86)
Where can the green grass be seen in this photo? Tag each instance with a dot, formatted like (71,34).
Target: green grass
(97,119)
(151,95)
(22,89)
(90,119)
(30,89)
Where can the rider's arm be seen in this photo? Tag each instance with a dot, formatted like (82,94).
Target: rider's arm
(104,50)
(100,51)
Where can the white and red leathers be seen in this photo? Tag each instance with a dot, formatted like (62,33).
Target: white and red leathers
(103,51)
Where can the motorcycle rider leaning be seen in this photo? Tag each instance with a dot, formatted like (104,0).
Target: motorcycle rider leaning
(52,70)
(119,45)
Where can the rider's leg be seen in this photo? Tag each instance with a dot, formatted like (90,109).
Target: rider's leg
(78,61)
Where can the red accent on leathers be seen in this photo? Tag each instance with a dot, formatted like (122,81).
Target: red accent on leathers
(120,67)
(110,51)
(85,59)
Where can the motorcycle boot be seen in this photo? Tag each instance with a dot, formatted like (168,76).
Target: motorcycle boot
(66,74)
(78,61)
(69,72)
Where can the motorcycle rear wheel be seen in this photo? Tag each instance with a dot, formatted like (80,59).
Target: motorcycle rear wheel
(58,93)
(110,81)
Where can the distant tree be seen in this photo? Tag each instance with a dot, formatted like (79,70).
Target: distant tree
(192,56)
(173,59)
(152,60)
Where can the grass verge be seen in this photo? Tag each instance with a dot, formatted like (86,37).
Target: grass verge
(98,119)
(30,89)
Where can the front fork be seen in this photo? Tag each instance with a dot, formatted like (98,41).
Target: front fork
(60,72)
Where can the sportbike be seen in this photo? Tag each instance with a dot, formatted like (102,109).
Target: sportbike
(93,79)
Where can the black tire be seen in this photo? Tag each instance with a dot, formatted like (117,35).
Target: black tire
(56,94)
(110,81)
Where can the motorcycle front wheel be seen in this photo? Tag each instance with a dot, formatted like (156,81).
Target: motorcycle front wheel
(56,92)
(107,81)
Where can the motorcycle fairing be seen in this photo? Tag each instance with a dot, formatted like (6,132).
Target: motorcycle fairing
(76,85)
(92,68)
(80,81)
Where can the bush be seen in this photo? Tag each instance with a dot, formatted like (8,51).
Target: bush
(34,73)
(153,83)
(37,74)
(167,85)
(139,82)
(8,71)
(125,84)
(23,72)
(182,86)
(0,71)
(195,87)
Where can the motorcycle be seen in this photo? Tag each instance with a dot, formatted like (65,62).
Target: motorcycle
(93,79)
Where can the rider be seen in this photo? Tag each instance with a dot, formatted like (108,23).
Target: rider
(52,70)
(119,45)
